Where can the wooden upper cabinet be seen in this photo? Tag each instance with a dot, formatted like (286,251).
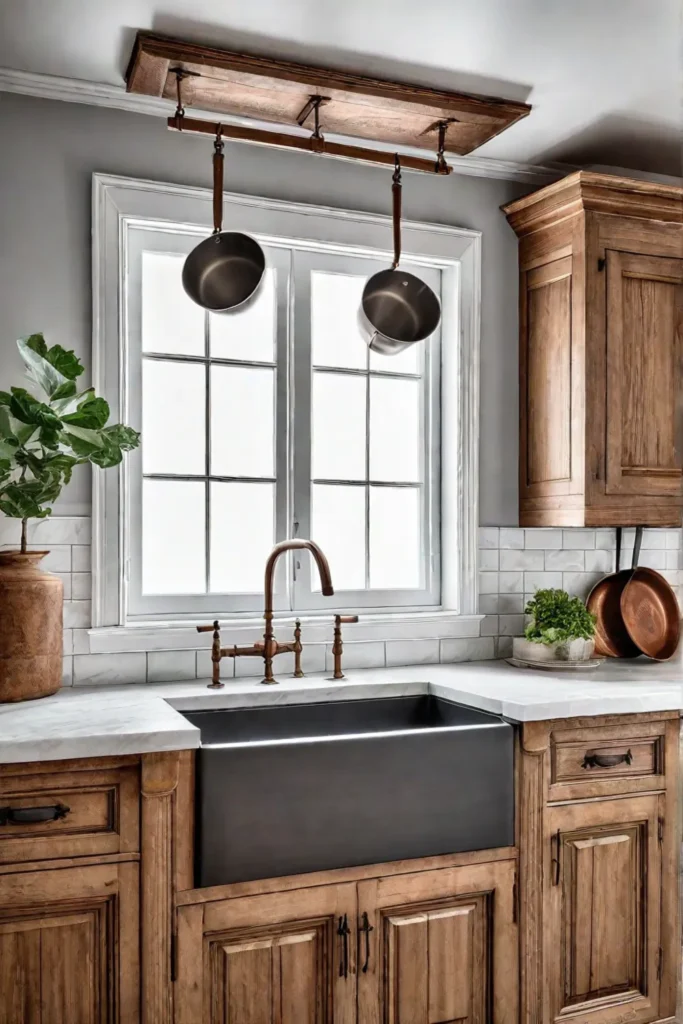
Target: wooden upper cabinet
(601,352)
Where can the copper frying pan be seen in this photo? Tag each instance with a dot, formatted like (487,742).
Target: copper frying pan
(612,638)
(650,612)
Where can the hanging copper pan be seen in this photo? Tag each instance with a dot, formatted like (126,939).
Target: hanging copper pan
(650,612)
(612,639)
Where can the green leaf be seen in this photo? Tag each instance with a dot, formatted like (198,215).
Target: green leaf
(5,398)
(66,390)
(92,414)
(81,440)
(125,437)
(40,370)
(5,423)
(108,456)
(18,502)
(66,361)
(28,409)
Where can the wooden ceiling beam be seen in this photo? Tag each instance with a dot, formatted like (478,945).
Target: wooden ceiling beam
(358,107)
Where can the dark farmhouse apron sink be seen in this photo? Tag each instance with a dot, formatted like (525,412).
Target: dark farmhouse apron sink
(294,788)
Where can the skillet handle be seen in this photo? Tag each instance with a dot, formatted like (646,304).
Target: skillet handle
(396,197)
(636,547)
(218,184)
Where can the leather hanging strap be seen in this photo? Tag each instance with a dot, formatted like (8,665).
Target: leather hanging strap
(218,183)
(396,197)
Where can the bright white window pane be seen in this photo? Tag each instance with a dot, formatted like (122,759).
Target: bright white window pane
(173,516)
(248,333)
(242,421)
(408,361)
(338,427)
(242,535)
(171,321)
(395,434)
(395,538)
(335,334)
(338,526)
(173,417)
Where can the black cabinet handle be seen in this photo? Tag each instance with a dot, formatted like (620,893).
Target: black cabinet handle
(555,850)
(343,931)
(606,760)
(32,815)
(367,928)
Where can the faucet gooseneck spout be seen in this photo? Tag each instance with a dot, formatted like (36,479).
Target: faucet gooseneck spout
(270,645)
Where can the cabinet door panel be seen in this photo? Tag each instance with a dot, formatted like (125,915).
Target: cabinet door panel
(275,958)
(69,946)
(548,455)
(644,374)
(604,921)
(442,949)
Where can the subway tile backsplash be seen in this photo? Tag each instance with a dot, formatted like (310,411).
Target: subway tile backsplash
(513,562)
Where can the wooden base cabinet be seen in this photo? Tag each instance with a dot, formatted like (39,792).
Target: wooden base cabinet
(69,945)
(408,947)
(599,935)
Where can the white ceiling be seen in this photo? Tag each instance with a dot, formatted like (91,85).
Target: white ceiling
(603,76)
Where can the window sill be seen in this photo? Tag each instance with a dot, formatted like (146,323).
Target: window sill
(172,636)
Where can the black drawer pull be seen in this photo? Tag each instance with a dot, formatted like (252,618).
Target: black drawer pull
(606,760)
(32,815)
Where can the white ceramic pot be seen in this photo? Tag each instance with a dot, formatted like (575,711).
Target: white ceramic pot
(572,650)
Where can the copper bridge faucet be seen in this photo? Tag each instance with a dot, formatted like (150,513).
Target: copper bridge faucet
(270,647)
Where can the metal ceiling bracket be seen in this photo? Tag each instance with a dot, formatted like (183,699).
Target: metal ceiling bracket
(313,107)
(180,75)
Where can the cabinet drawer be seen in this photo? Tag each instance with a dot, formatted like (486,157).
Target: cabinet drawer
(68,814)
(608,759)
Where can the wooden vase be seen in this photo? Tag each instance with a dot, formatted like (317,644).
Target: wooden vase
(31,604)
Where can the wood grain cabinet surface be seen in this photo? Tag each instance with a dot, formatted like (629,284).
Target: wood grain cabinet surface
(69,945)
(413,946)
(601,352)
(599,935)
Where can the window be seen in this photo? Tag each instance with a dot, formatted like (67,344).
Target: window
(269,423)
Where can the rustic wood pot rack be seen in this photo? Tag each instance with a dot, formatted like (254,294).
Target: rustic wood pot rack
(298,97)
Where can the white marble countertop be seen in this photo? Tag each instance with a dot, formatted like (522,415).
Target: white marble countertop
(92,721)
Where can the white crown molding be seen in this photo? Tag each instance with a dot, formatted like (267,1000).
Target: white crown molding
(99,94)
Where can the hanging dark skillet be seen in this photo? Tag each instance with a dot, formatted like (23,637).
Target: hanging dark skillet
(397,308)
(224,272)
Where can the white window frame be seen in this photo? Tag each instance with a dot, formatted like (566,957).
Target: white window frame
(121,204)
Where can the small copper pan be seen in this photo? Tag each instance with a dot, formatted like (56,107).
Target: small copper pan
(612,639)
(649,608)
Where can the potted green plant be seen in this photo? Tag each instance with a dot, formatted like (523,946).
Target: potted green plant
(45,430)
(560,628)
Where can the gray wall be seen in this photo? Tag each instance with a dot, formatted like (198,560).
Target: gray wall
(48,152)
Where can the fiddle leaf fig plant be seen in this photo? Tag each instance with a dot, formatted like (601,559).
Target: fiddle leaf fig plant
(558,618)
(49,429)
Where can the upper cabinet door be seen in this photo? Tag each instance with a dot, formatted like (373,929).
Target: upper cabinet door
(548,458)
(644,407)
